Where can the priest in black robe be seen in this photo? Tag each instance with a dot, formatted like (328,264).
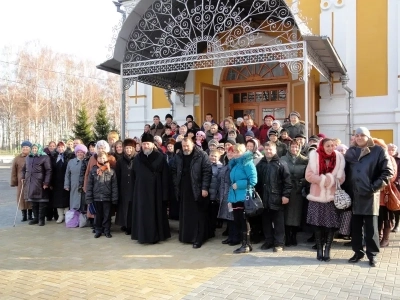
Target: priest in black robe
(150,194)
(192,173)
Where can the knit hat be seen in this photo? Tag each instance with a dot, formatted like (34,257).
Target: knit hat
(200,133)
(221,145)
(174,122)
(363,130)
(313,138)
(230,141)
(207,123)
(249,133)
(295,113)
(233,132)
(129,142)
(321,135)
(299,135)
(239,120)
(147,137)
(269,116)
(276,122)
(273,132)
(104,144)
(213,142)
(168,116)
(26,144)
(80,147)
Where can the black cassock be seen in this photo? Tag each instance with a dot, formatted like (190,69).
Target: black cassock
(193,213)
(60,196)
(124,172)
(150,196)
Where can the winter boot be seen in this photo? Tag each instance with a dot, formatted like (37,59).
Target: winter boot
(380,229)
(35,209)
(24,215)
(386,232)
(60,212)
(288,242)
(42,213)
(329,240)
(245,248)
(293,236)
(318,239)
(30,214)
(396,220)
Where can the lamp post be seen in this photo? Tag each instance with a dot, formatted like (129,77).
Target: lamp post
(123,99)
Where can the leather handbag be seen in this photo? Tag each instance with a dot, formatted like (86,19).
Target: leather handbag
(253,205)
(393,197)
(341,199)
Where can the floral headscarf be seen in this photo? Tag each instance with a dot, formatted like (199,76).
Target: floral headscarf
(40,151)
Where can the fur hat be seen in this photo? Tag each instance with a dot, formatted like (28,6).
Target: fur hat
(249,133)
(295,113)
(26,144)
(213,142)
(147,137)
(363,130)
(80,147)
(104,144)
(230,141)
(269,116)
(129,142)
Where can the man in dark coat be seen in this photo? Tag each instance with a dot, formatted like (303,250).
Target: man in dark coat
(281,148)
(157,128)
(124,172)
(294,127)
(368,169)
(274,186)
(192,173)
(150,194)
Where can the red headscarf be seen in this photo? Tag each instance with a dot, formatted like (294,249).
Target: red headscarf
(323,157)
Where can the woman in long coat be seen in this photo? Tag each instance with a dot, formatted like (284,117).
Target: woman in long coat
(124,172)
(71,182)
(16,176)
(60,195)
(36,174)
(297,164)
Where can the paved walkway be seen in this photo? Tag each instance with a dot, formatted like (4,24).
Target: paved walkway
(53,262)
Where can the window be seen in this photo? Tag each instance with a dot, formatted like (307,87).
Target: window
(249,72)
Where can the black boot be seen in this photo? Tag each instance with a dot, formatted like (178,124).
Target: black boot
(42,213)
(24,216)
(311,239)
(329,240)
(287,236)
(35,209)
(245,248)
(30,214)
(293,236)
(318,239)
(396,221)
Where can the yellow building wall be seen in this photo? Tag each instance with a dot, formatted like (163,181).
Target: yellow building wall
(159,100)
(372,48)
(298,99)
(312,10)
(201,76)
(386,135)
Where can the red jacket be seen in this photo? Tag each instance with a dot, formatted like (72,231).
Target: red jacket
(263,134)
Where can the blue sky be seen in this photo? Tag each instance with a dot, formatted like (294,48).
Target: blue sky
(79,27)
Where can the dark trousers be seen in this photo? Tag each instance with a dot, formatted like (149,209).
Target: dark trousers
(239,217)
(234,233)
(370,224)
(102,220)
(213,208)
(273,222)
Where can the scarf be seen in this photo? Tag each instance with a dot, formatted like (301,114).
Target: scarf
(40,151)
(60,157)
(102,168)
(323,157)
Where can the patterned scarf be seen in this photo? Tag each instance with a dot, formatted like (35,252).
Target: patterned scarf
(103,167)
(323,157)
(40,151)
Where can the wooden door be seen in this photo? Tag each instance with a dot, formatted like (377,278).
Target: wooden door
(209,101)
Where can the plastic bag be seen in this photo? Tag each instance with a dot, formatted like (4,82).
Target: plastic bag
(72,218)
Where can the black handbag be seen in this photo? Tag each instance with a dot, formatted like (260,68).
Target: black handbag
(253,205)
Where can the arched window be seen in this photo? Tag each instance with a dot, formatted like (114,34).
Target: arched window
(255,72)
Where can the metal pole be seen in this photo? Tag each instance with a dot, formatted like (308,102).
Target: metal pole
(123,107)
(305,78)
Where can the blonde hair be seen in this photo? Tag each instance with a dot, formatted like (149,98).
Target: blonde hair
(239,148)
(336,141)
(215,152)
(113,134)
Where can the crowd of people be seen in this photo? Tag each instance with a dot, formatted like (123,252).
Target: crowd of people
(202,176)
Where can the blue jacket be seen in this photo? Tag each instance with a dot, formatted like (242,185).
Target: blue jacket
(244,174)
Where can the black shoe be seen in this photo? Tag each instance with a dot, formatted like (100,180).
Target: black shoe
(41,222)
(311,239)
(293,239)
(243,249)
(94,231)
(267,246)
(233,243)
(356,258)
(33,222)
(227,241)
(30,214)
(97,235)
(196,245)
(372,262)
(24,216)
(108,235)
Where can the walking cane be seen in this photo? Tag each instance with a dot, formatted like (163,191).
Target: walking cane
(19,199)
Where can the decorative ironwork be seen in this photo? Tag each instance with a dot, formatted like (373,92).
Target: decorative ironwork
(315,60)
(266,71)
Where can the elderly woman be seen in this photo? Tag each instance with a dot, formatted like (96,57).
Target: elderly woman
(71,181)
(324,169)
(201,141)
(243,176)
(37,174)
(297,164)
(182,131)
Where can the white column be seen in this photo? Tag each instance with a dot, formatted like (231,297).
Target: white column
(305,78)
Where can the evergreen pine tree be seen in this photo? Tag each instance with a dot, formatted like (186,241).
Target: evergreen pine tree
(101,125)
(83,128)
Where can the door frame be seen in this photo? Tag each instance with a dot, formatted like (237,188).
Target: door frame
(207,86)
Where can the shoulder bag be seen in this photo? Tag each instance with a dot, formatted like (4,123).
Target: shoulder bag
(341,199)
(253,205)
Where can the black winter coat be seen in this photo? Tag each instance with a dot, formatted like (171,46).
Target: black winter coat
(281,149)
(215,181)
(273,182)
(124,173)
(59,195)
(200,171)
(36,172)
(367,170)
(102,187)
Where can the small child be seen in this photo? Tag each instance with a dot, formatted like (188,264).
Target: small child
(102,190)
(213,191)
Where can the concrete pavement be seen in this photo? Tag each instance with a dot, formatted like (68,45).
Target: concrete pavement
(54,262)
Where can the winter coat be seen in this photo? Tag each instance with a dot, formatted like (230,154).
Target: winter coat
(243,173)
(102,187)
(281,148)
(273,182)
(36,172)
(71,182)
(157,130)
(367,171)
(16,176)
(93,162)
(124,173)
(264,129)
(223,192)
(200,170)
(286,141)
(323,187)
(254,129)
(214,185)
(60,197)
(165,138)
(295,129)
